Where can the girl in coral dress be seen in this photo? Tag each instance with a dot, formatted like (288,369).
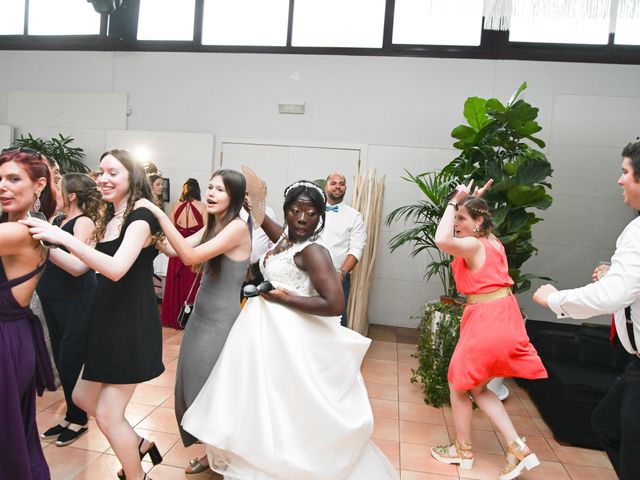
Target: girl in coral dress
(493,340)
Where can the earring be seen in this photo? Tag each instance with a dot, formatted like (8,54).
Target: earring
(476,230)
(37,204)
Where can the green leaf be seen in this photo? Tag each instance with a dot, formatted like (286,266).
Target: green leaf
(475,112)
(517,93)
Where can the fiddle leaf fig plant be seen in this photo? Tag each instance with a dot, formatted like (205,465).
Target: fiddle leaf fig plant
(498,143)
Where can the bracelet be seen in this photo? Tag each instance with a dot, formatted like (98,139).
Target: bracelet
(341,272)
(454,205)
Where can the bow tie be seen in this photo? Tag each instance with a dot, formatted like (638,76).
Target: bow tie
(331,208)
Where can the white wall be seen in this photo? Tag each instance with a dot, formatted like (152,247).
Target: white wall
(402,109)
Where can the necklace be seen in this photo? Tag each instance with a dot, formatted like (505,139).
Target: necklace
(120,212)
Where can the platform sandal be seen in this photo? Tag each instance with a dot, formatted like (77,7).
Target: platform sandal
(455,454)
(154,455)
(519,457)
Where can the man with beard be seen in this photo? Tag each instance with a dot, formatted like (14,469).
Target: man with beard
(344,233)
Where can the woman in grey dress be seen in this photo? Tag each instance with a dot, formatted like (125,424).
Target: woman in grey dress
(222,247)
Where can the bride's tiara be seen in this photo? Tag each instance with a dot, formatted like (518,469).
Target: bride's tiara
(304,183)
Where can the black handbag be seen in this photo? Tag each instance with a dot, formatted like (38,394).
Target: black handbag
(187,308)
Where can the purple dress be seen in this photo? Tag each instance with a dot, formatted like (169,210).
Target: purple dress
(24,369)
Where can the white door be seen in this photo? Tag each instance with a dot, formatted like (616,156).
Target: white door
(280,164)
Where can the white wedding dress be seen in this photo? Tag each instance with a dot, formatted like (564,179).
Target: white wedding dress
(286,399)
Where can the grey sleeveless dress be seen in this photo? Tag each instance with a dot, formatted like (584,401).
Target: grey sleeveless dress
(216,308)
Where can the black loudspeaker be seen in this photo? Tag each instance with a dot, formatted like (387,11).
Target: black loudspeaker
(105,7)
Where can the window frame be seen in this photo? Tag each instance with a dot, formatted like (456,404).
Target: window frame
(118,33)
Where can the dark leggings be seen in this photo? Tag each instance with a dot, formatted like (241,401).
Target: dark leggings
(616,422)
(68,320)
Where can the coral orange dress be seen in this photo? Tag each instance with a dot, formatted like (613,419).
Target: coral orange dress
(493,340)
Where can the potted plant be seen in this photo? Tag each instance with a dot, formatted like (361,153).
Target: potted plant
(495,144)
(69,158)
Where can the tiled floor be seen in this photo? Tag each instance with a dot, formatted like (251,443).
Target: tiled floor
(405,427)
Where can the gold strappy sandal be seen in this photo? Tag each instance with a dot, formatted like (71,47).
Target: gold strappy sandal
(455,454)
(519,457)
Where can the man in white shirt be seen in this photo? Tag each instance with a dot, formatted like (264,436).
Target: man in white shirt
(260,244)
(344,233)
(616,420)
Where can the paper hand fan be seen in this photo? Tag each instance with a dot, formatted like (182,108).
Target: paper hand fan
(257,196)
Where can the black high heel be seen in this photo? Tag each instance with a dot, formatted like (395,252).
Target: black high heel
(154,455)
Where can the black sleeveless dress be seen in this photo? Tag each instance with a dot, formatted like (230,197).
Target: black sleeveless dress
(125,333)
(24,369)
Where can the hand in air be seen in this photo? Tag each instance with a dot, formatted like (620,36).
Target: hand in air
(541,296)
(42,230)
(478,192)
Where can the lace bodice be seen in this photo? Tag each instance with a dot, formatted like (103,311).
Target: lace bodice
(280,269)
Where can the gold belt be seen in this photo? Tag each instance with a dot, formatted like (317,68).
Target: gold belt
(487,297)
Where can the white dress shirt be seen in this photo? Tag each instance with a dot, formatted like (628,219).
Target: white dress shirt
(619,288)
(260,243)
(344,234)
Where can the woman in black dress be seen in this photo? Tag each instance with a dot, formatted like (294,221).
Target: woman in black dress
(66,301)
(124,345)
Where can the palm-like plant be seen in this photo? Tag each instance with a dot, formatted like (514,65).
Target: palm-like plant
(425,216)
(69,158)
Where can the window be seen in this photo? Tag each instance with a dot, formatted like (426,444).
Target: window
(12,17)
(454,22)
(62,17)
(166,20)
(560,22)
(627,23)
(245,22)
(338,23)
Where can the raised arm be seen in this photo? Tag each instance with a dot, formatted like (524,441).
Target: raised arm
(114,267)
(465,247)
(192,253)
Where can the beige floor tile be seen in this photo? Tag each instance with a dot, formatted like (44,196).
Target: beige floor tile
(583,472)
(429,435)
(150,394)
(136,412)
(421,413)
(383,332)
(386,429)
(67,462)
(411,393)
(48,399)
(405,427)
(408,475)
(162,420)
(384,408)
(382,391)
(167,379)
(579,456)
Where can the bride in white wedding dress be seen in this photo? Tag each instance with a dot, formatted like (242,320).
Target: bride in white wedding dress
(286,399)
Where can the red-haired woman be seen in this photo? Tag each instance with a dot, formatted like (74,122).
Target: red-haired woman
(25,184)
